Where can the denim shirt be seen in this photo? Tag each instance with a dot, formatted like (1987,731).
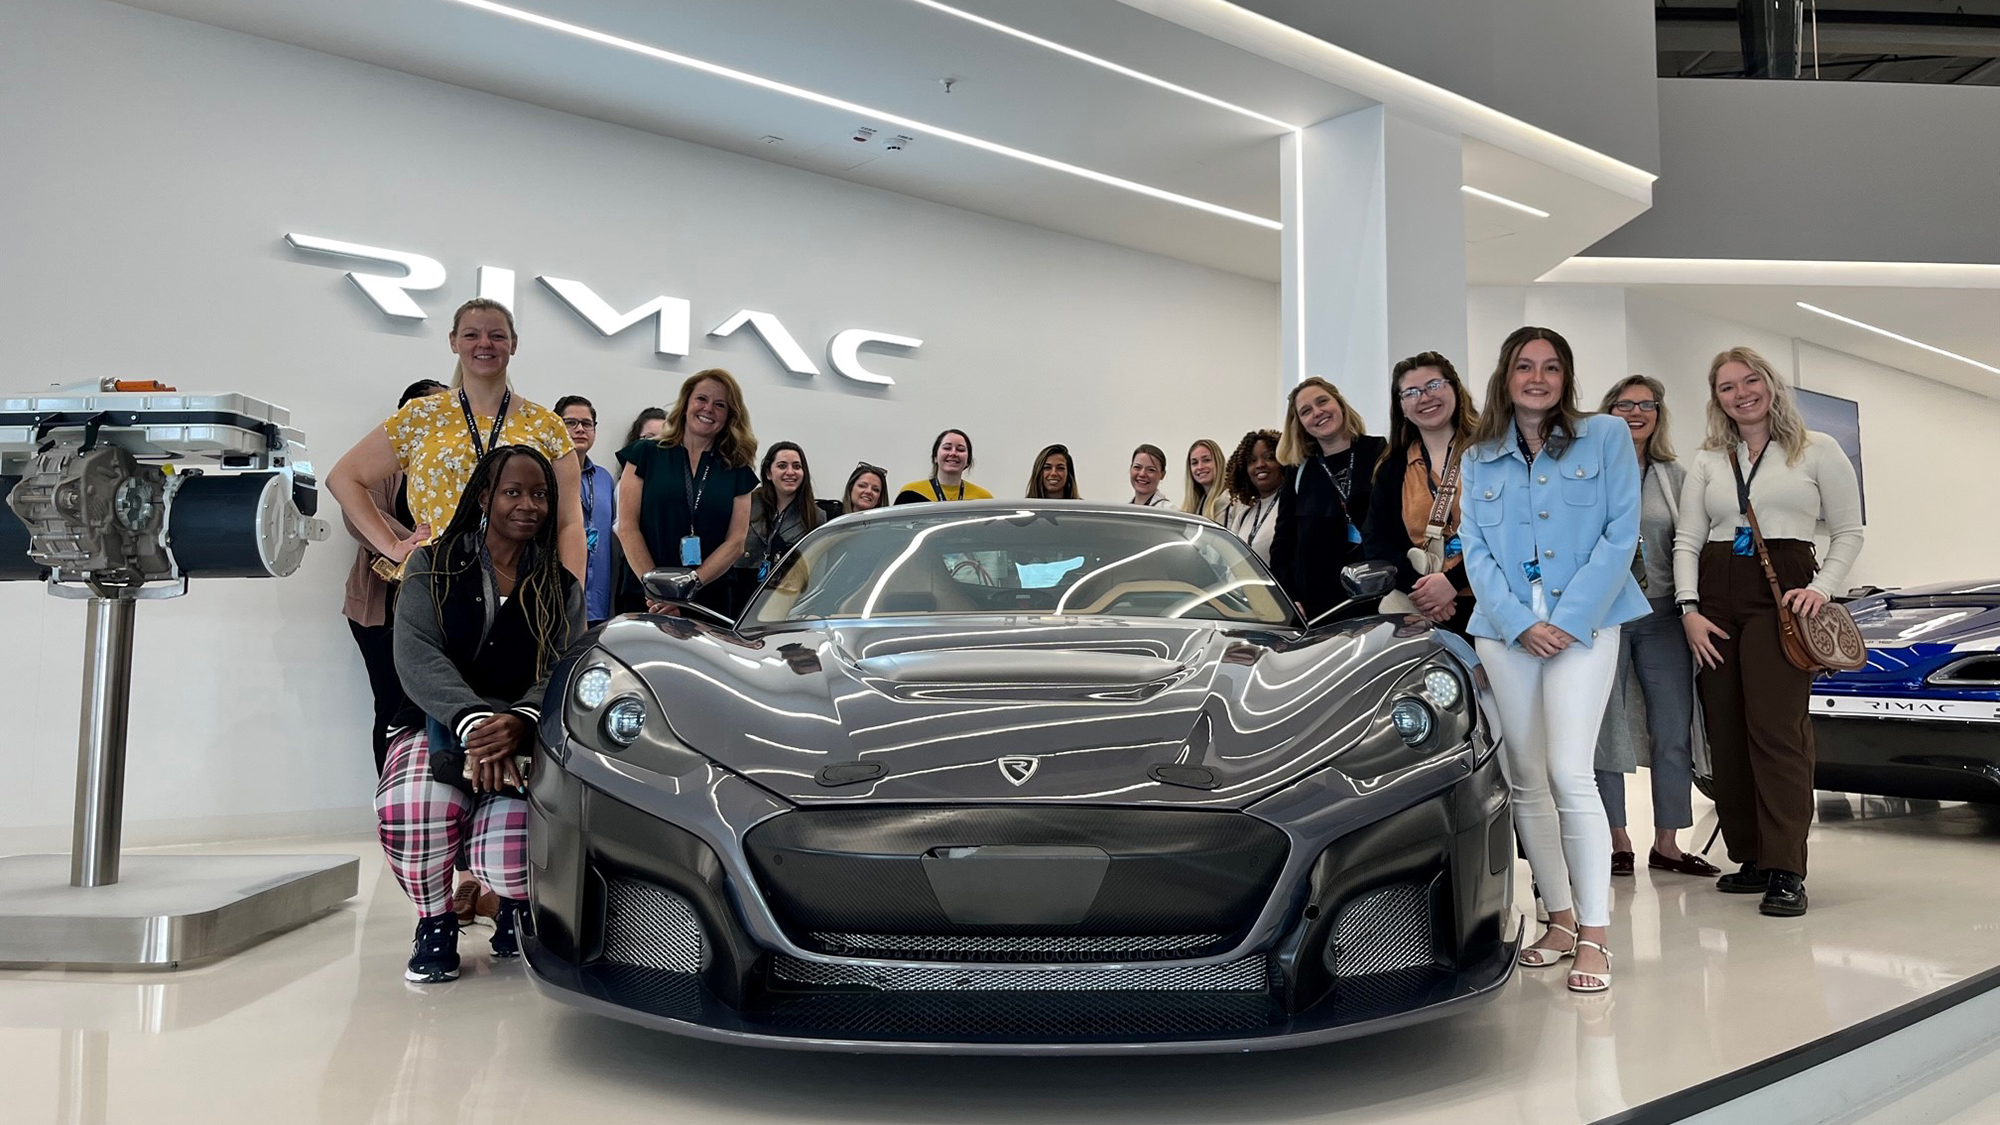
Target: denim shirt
(1576,515)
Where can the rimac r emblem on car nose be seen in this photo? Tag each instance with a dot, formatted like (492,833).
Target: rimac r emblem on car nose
(1018,770)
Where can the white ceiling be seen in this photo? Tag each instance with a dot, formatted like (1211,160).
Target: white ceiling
(892,55)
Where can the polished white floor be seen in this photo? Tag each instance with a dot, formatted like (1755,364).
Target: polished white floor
(318,1026)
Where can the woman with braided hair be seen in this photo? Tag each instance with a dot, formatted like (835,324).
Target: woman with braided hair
(485,612)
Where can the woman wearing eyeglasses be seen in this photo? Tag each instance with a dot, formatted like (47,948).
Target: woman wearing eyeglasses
(1054,475)
(1414,510)
(1654,659)
(867,489)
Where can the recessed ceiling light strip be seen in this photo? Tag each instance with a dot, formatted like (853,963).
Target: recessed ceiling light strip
(1107,64)
(692,63)
(1503,201)
(1865,327)
(1595,270)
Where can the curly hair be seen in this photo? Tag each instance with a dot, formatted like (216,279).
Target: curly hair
(539,576)
(1237,472)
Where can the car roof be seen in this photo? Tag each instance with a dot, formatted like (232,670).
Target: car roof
(959,507)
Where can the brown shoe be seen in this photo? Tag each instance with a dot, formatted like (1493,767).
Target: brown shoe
(465,901)
(1686,863)
(1621,863)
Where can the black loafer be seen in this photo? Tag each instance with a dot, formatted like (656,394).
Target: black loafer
(1749,880)
(1786,897)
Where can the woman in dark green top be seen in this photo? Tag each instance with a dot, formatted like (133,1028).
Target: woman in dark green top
(684,500)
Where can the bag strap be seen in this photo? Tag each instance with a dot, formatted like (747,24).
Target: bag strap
(1441,505)
(1763,554)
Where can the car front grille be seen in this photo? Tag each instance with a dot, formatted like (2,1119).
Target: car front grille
(1046,949)
(1385,930)
(1247,975)
(650,927)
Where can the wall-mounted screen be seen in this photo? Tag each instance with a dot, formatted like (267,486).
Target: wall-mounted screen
(1840,418)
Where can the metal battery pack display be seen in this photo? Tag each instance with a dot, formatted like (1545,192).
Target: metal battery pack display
(117,493)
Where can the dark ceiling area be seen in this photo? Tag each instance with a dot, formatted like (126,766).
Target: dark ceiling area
(1941,42)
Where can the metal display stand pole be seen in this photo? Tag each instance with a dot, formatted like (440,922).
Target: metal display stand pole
(100,743)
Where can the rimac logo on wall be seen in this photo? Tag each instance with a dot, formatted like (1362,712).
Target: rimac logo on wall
(672,316)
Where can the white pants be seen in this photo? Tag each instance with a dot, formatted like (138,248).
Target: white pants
(1550,711)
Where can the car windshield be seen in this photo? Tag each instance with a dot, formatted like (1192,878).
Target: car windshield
(942,558)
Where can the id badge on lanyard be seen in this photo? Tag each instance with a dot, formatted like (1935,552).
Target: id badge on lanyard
(1537,600)
(691,542)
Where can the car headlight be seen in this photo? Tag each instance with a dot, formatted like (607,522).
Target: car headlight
(608,708)
(624,720)
(1443,688)
(1413,721)
(593,687)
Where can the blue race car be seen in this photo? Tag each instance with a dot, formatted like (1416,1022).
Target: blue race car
(1922,719)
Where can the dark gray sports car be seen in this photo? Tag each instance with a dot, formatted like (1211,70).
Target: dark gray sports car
(1015,777)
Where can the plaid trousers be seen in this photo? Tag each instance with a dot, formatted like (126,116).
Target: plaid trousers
(425,823)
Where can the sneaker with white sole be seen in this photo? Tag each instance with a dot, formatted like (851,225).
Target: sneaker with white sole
(434,957)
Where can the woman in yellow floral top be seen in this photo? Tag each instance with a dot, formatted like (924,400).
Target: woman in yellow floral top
(437,440)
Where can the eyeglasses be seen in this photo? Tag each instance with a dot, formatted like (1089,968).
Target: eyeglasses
(1627,406)
(580,423)
(865,467)
(1412,394)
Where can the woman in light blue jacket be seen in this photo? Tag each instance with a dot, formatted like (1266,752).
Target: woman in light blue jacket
(1551,519)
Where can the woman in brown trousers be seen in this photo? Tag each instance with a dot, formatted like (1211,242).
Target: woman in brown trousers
(1759,455)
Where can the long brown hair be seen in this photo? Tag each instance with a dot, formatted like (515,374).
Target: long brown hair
(1296,445)
(767,490)
(1788,426)
(737,444)
(1402,431)
(1035,489)
(1496,416)
(1658,446)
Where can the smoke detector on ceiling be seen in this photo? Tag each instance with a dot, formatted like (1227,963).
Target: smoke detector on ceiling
(863,134)
(898,142)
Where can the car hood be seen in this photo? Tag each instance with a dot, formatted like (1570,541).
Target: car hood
(1094,704)
(1912,633)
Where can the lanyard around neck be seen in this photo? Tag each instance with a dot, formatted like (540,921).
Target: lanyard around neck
(1742,482)
(937,490)
(472,427)
(693,489)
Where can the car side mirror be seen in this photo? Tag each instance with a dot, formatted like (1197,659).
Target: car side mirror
(1364,582)
(676,586)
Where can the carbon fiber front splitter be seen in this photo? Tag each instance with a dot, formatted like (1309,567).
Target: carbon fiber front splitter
(1021,1023)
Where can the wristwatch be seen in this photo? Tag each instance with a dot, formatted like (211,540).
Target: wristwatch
(1688,606)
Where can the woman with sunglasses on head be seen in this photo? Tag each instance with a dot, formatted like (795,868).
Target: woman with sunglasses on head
(1551,520)
(1206,489)
(1054,475)
(951,459)
(1754,701)
(436,441)
(1414,511)
(1256,484)
(684,500)
(484,614)
(1149,464)
(1331,460)
(1654,660)
(867,489)
(782,511)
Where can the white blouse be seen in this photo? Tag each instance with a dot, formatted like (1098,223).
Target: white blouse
(1159,500)
(1255,524)
(1791,502)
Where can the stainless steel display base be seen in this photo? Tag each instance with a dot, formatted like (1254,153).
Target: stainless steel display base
(166,911)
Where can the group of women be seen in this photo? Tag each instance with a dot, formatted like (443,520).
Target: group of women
(1590,570)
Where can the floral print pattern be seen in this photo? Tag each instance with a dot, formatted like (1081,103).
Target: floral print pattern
(437,454)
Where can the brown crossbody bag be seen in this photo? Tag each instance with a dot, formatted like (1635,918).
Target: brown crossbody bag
(1829,641)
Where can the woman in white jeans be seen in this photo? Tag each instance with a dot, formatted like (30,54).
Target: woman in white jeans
(1551,519)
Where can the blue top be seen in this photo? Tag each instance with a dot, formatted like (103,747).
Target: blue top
(600,504)
(1574,515)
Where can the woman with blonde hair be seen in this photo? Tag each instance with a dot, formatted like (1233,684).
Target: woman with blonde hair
(1331,460)
(1754,701)
(684,500)
(1654,661)
(436,441)
(1207,491)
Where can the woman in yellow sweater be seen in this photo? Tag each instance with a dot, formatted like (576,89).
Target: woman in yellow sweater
(951,456)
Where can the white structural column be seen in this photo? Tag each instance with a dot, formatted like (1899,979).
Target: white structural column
(1374,252)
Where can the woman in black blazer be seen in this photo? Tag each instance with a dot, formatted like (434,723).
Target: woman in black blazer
(1331,460)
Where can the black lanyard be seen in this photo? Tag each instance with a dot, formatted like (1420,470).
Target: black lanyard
(1743,482)
(1343,481)
(1521,443)
(937,490)
(472,428)
(1424,452)
(692,490)
(1262,512)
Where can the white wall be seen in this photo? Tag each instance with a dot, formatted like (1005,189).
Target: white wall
(153,166)
(1821,171)
(1917,435)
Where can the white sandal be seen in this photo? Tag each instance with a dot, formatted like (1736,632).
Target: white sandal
(1535,957)
(1603,979)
